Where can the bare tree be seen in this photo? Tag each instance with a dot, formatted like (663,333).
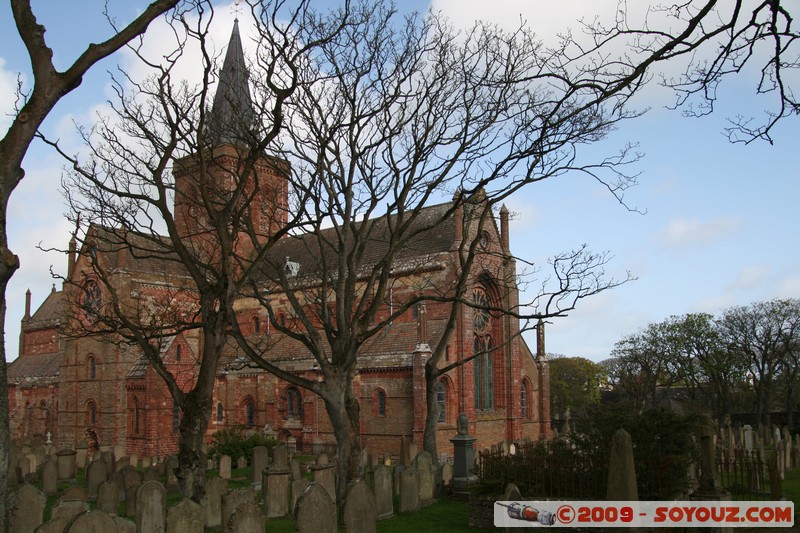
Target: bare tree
(183,186)
(49,86)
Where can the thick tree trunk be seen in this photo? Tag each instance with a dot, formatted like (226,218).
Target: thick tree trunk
(345,415)
(9,263)
(431,415)
(191,472)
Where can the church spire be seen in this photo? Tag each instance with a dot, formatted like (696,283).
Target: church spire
(232,117)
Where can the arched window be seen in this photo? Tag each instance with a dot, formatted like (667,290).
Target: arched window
(294,403)
(380,402)
(220,412)
(91,365)
(249,413)
(91,413)
(484,372)
(441,400)
(92,299)
(257,324)
(523,398)
(178,353)
(135,415)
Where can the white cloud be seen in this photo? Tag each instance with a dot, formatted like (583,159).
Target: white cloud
(682,232)
(750,278)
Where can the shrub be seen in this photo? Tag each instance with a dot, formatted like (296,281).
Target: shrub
(235,443)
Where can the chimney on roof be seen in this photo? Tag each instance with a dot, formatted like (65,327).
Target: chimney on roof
(71,257)
(422,324)
(27,305)
(540,350)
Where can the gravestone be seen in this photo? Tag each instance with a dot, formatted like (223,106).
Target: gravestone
(66,465)
(409,490)
(275,485)
(214,489)
(81,451)
(67,510)
(447,474)
(75,493)
(621,472)
(325,476)
(119,452)
(294,468)
(259,461)
(92,522)
(145,462)
(23,469)
(25,509)
(129,479)
(55,525)
(151,473)
(315,511)
(382,485)
(405,459)
(425,477)
(225,467)
(151,507)
(232,499)
(748,438)
(108,497)
(96,473)
(360,513)
(280,456)
(322,459)
(49,475)
(134,460)
(241,462)
(185,517)
(170,466)
(124,525)
(297,488)
(108,459)
(247,518)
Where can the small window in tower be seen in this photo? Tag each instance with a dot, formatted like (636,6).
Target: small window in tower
(257,324)
(294,403)
(220,412)
(92,364)
(441,400)
(380,398)
(178,353)
(249,413)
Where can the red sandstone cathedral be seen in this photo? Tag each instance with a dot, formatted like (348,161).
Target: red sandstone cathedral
(61,383)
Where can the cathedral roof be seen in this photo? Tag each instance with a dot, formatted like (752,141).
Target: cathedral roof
(38,369)
(232,116)
(49,313)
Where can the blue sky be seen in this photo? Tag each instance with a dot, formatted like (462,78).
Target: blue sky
(721,220)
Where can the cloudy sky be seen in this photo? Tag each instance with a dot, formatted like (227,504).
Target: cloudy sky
(719,226)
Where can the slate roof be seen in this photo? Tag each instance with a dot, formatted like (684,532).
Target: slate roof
(40,369)
(49,313)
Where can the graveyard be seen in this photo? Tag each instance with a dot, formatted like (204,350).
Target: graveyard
(273,489)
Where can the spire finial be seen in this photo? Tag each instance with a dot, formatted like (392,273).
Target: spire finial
(236,10)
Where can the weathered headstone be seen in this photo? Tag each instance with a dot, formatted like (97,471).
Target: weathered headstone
(119,452)
(247,518)
(151,507)
(280,456)
(621,472)
(297,488)
(185,517)
(382,485)
(275,485)
(360,513)
(108,497)
(325,476)
(447,474)
(124,525)
(748,437)
(170,466)
(92,522)
(108,459)
(241,462)
(67,510)
(75,493)
(425,477)
(294,468)
(409,490)
(129,479)
(214,489)
(315,511)
(23,469)
(232,499)
(49,474)
(25,509)
(96,473)
(134,460)
(66,465)
(151,473)
(81,451)
(259,461)
(225,467)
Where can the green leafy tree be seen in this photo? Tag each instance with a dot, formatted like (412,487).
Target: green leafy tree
(574,383)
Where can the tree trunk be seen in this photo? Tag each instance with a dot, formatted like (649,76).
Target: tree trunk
(345,415)
(9,263)
(191,472)
(431,415)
